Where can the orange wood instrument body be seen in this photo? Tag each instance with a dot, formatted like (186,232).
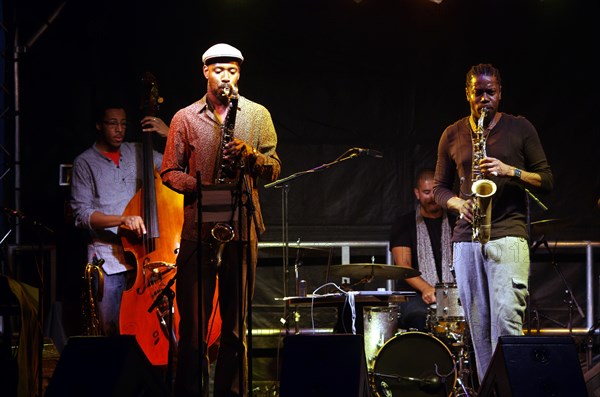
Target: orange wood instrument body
(154,254)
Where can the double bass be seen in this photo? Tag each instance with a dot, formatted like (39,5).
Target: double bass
(154,254)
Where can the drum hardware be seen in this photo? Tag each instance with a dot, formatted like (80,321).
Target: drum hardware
(429,384)
(446,321)
(465,382)
(448,302)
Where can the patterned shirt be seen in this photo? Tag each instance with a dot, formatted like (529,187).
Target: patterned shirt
(194,146)
(98,184)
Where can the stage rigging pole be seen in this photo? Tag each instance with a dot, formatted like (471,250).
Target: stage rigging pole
(18,50)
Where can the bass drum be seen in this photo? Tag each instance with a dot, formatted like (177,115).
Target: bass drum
(414,364)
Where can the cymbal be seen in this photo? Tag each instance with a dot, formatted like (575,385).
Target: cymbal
(549,221)
(549,225)
(364,270)
(274,250)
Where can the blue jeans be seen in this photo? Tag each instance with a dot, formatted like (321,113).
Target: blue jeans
(492,285)
(109,308)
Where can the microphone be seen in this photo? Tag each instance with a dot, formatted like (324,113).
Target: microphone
(98,262)
(430,384)
(368,152)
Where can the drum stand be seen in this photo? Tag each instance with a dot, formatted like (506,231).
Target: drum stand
(464,379)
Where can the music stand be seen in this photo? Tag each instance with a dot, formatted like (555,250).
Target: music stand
(216,203)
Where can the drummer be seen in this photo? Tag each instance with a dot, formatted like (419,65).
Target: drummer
(421,239)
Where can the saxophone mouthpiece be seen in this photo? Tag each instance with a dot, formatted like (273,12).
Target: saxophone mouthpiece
(233,93)
(229,91)
(226,91)
(482,116)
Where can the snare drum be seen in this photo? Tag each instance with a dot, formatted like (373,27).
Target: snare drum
(414,364)
(448,306)
(381,323)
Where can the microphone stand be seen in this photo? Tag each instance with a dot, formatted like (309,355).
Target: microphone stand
(169,294)
(284,184)
(241,297)
(250,216)
(528,197)
(571,299)
(199,253)
(38,227)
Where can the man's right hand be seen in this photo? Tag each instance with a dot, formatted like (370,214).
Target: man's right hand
(428,295)
(134,223)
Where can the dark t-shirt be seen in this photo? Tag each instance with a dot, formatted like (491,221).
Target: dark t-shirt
(404,234)
(513,140)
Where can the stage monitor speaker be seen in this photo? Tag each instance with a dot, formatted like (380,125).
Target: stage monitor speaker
(534,366)
(324,365)
(99,366)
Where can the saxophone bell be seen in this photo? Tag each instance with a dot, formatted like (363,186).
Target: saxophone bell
(483,190)
(91,294)
(222,233)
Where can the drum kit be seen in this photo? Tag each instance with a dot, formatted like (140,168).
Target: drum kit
(411,363)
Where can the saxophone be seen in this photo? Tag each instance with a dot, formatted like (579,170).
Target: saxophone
(226,169)
(482,189)
(89,297)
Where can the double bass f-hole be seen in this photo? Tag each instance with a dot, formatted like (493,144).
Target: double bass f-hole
(153,275)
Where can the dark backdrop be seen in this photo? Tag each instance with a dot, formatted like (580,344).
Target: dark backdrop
(381,74)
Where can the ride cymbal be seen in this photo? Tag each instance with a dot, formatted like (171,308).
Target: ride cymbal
(370,270)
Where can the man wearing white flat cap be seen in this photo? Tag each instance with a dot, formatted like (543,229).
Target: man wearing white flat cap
(227,140)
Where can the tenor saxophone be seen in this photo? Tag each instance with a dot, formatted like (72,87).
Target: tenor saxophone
(226,170)
(483,189)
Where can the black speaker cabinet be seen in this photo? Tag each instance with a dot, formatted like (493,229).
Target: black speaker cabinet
(534,366)
(98,366)
(324,365)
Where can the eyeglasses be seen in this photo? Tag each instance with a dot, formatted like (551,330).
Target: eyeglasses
(115,123)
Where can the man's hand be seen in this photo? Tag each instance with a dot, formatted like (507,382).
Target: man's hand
(134,223)
(155,124)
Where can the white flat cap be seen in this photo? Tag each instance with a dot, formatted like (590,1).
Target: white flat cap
(221,50)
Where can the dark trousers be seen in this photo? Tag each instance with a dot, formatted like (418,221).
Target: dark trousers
(232,351)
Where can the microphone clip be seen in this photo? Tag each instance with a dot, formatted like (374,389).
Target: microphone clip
(367,152)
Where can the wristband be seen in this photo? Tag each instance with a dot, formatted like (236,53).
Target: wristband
(517,173)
